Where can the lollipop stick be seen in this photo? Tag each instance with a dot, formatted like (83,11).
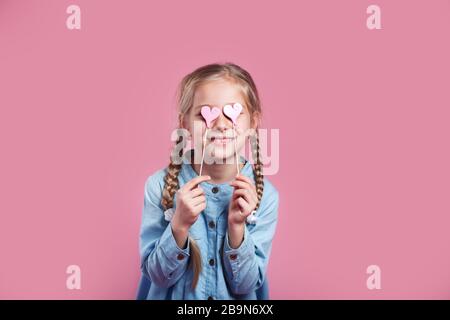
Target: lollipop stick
(235,149)
(203,153)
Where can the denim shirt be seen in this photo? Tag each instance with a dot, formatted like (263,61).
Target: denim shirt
(227,273)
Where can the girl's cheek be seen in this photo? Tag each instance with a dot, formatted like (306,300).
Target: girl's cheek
(195,131)
(239,129)
(199,129)
(242,127)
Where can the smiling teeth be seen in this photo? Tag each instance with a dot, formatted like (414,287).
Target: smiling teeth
(220,139)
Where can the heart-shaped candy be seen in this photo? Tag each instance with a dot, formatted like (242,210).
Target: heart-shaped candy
(232,111)
(209,114)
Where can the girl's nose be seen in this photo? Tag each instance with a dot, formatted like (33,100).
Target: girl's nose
(222,123)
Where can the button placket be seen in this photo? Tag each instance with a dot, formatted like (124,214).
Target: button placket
(212,239)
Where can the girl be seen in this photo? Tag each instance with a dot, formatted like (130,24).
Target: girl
(209,236)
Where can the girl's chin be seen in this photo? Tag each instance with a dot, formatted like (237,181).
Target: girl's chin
(223,156)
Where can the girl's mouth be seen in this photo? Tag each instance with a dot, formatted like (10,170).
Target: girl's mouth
(221,140)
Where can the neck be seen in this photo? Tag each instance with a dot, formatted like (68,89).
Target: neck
(219,173)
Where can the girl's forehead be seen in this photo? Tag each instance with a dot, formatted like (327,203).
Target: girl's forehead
(218,93)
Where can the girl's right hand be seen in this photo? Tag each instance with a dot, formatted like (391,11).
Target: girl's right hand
(191,201)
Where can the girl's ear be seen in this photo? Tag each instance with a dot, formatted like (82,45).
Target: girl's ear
(255,120)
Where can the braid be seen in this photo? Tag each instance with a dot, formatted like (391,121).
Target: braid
(171,185)
(257,168)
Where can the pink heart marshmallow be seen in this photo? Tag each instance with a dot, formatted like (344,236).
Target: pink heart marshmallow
(209,114)
(233,112)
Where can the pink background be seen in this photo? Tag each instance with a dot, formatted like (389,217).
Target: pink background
(363,116)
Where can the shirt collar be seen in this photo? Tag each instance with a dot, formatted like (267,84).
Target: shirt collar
(213,189)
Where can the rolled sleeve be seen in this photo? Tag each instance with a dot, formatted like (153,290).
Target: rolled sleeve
(245,248)
(170,247)
(237,261)
(245,266)
(162,261)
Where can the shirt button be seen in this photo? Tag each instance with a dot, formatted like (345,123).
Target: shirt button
(180,256)
(215,190)
(211,224)
(233,256)
(211,262)
(210,298)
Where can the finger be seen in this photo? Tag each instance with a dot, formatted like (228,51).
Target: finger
(197,200)
(239,184)
(245,178)
(196,192)
(245,186)
(245,194)
(200,207)
(246,209)
(194,182)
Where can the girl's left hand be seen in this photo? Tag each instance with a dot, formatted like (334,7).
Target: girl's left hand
(243,201)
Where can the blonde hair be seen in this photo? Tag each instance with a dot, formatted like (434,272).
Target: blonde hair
(186,91)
